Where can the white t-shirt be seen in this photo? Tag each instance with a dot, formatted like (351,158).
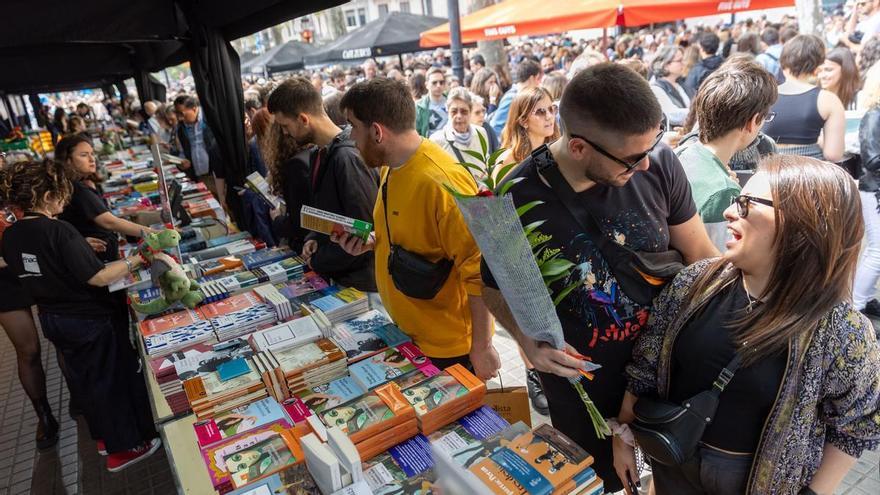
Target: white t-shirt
(869,26)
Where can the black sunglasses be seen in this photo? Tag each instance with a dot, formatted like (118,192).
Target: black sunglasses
(742,204)
(628,165)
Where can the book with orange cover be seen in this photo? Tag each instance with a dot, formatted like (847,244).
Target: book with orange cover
(371,414)
(445,397)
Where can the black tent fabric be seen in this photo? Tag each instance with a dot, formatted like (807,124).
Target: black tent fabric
(256,64)
(290,57)
(148,87)
(217,75)
(393,34)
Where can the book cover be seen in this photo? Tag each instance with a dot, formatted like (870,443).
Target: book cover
(310,282)
(326,222)
(380,368)
(293,359)
(251,456)
(392,335)
(415,376)
(543,459)
(164,323)
(238,420)
(386,477)
(434,392)
(256,183)
(205,358)
(478,450)
(357,415)
(290,334)
(232,304)
(330,395)
(468,430)
(265,257)
(357,337)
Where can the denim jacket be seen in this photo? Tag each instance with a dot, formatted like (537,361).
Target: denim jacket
(830,392)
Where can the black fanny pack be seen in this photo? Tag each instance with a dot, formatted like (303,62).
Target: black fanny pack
(641,274)
(413,274)
(669,433)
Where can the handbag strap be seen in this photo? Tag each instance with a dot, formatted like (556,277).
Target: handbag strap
(550,171)
(456,151)
(385,205)
(726,374)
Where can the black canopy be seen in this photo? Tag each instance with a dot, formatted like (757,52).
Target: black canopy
(50,45)
(279,58)
(393,34)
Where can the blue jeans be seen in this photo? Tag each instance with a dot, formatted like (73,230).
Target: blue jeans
(708,472)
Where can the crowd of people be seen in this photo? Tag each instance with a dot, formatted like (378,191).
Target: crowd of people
(631,141)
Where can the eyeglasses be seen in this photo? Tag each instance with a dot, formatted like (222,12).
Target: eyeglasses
(630,164)
(769,117)
(742,204)
(543,112)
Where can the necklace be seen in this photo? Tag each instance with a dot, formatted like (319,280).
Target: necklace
(749,297)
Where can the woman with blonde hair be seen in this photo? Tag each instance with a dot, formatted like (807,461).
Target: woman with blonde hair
(799,394)
(530,124)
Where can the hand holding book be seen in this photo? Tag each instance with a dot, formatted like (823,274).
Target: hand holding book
(355,246)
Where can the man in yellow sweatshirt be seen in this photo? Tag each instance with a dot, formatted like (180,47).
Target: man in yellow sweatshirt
(414,212)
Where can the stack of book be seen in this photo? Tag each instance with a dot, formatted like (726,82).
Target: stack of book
(309,365)
(169,384)
(232,384)
(543,461)
(212,291)
(171,332)
(292,480)
(329,395)
(342,304)
(388,365)
(256,183)
(445,397)
(294,333)
(366,335)
(265,257)
(279,303)
(238,315)
(375,421)
(252,456)
(239,420)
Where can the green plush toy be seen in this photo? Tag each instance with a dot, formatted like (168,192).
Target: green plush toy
(167,274)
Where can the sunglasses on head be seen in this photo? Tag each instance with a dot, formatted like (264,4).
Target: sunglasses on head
(743,201)
(633,162)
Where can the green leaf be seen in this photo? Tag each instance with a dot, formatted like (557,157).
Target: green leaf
(528,229)
(554,267)
(471,166)
(505,170)
(551,280)
(483,145)
(507,185)
(494,157)
(522,210)
(564,292)
(481,158)
(454,192)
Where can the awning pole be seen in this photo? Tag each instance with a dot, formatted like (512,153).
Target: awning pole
(455,39)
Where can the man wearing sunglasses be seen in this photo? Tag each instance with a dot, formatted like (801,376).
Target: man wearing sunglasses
(431,113)
(612,163)
(729,120)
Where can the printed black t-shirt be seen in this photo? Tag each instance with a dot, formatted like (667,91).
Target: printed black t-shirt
(85,205)
(597,318)
(54,263)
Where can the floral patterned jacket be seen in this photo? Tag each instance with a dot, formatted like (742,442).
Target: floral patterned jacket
(830,392)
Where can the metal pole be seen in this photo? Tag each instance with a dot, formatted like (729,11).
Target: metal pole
(167,79)
(455,39)
(400,59)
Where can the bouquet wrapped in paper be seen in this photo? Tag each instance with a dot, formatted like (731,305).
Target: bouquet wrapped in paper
(520,263)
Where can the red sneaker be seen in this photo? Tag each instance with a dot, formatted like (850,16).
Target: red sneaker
(120,460)
(102,449)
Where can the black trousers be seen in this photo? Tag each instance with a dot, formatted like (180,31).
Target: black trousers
(443,363)
(103,372)
(709,471)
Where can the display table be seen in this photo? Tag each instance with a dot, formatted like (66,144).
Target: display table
(158,405)
(186,462)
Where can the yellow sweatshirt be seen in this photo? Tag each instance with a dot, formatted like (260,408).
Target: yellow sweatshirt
(425,220)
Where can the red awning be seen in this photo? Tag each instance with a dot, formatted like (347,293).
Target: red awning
(528,17)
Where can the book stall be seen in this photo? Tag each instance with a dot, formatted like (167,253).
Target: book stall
(265,378)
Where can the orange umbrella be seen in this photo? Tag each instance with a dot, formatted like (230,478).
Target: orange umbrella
(527,17)
(524,17)
(641,12)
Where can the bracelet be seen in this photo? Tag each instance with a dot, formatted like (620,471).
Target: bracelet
(128,264)
(621,430)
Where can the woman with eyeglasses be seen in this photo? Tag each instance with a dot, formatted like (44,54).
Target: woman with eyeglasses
(459,136)
(804,402)
(668,69)
(531,123)
(810,121)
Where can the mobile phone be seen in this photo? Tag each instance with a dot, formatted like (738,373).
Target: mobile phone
(630,484)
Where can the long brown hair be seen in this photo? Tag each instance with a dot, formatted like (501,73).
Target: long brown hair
(816,247)
(276,148)
(64,153)
(850,81)
(514,136)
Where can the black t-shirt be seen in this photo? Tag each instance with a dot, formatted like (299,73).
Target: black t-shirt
(702,348)
(598,319)
(85,205)
(54,263)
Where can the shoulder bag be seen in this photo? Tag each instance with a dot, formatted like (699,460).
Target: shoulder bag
(669,433)
(413,274)
(641,274)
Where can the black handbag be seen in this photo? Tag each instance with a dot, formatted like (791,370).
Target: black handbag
(669,433)
(641,274)
(413,274)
